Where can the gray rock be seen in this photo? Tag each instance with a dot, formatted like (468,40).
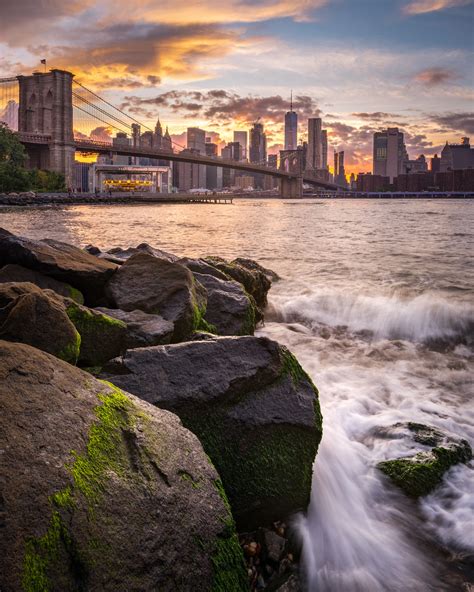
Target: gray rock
(60,261)
(254,266)
(254,281)
(125,254)
(157,286)
(229,309)
(420,473)
(101,491)
(143,329)
(38,319)
(273,545)
(17,273)
(252,406)
(103,337)
(201,266)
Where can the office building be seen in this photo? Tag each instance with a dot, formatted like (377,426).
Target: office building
(315,144)
(258,144)
(435,165)
(389,154)
(291,128)
(457,156)
(196,142)
(324,149)
(242,139)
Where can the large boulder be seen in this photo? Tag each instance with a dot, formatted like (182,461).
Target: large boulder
(17,273)
(230,310)
(124,254)
(101,491)
(161,287)
(203,267)
(253,279)
(60,261)
(252,406)
(142,329)
(421,472)
(38,319)
(255,266)
(103,337)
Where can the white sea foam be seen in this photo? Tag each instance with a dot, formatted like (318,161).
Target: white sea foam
(419,318)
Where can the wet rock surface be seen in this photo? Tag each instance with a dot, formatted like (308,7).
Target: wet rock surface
(37,318)
(17,273)
(157,286)
(252,406)
(143,329)
(420,473)
(229,309)
(60,261)
(103,491)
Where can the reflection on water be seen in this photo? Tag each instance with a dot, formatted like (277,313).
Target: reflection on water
(377,302)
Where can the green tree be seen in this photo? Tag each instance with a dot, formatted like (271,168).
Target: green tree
(13,176)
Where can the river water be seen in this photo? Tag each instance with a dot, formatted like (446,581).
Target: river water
(377,302)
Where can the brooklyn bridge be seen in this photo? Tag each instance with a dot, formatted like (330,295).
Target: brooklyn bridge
(48,110)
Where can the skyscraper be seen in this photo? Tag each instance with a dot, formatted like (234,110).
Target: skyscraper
(196,142)
(258,144)
(158,135)
(291,128)
(315,144)
(242,139)
(324,151)
(389,153)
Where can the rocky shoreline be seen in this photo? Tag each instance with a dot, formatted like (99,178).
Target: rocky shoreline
(150,440)
(160,444)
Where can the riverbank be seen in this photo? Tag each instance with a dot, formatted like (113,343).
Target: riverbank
(376,303)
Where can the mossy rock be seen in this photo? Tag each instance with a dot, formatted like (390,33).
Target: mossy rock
(102,336)
(252,406)
(95,497)
(37,317)
(421,473)
(160,287)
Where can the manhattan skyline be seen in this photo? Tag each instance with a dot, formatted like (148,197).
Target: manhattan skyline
(358,65)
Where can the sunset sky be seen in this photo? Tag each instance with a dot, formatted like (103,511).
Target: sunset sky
(359,64)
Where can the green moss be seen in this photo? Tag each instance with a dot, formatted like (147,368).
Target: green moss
(274,464)
(103,447)
(63,498)
(227,558)
(89,472)
(185,476)
(76,295)
(419,475)
(86,321)
(248,326)
(70,353)
(43,552)
(291,367)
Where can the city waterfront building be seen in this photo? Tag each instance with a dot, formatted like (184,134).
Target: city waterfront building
(435,165)
(457,156)
(242,139)
(315,144)
(324,149)
(196,175)
(389,153)
(419,165)
(258,151)
(291,128)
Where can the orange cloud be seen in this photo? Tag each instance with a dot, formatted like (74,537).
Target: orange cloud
(424,6)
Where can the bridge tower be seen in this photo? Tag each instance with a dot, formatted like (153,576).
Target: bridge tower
(45,121)
(291,161)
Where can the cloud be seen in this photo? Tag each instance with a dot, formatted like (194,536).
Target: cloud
(376,116)
(101,133)
(219,106)
(458,122)
(425,6)
(434,76)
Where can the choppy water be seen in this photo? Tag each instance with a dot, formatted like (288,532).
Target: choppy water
(377,302)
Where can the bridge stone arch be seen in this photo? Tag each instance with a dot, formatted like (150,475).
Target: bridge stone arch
(45,110)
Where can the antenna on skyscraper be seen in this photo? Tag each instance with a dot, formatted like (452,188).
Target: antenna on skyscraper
(291,100)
